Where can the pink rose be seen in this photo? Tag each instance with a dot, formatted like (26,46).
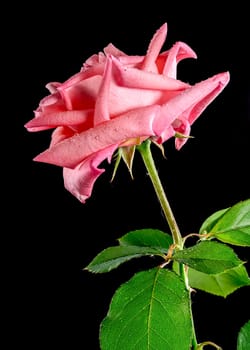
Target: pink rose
(116,100)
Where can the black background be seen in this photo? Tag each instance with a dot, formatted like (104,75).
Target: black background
(52,236)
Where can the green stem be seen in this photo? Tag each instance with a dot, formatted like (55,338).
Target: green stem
(194,339)
(148,160)
(146,154)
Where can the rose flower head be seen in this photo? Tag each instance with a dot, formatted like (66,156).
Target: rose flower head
(117,100)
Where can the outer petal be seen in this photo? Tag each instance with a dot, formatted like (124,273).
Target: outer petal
(209,90)
(80,180)
(110,49)
(136,78)
(101,105)
(124,59)
(154,48)
(94,60)
(190,103)
(184,128)
(47,121)
(61,133)
(53,86)
(49,104)
(81,95)
(74,150)
(178,52)
(131,88)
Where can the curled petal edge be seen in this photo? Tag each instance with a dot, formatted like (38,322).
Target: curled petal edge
(80,180)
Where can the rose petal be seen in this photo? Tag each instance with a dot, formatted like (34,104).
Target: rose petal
(190,103)
(80,180)
(130,61)
(61,133)
(154,48)
(210,89)
(184,128)
(49,104)
(136,78)
(94,61)
(137,94)
(101,105)
(53,87)
(178,52)
(74,150)
(81,95)
(52,120)
(110,49)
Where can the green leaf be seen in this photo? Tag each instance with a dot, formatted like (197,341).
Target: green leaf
(221,284)
(234,226)
(243,340)
(150,311)
(112,257)
(208,257)
(210,222)
(231,225)
(148,238)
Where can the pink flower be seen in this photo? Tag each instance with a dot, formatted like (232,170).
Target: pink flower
(115,100)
